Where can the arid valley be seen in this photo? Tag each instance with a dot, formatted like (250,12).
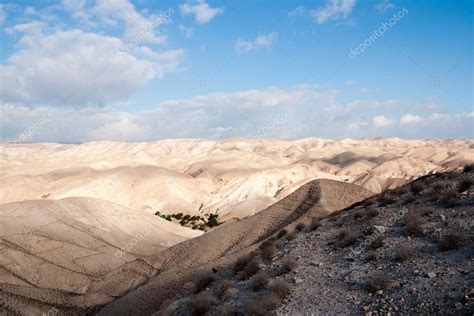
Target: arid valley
(84,227)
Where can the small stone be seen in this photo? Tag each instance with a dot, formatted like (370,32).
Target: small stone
(379,292)
(443,218)
(369,313)
(432,275)
(298,280)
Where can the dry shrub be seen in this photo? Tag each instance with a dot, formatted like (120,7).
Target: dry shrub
(282,233)
(242,262)
(371,256)
(427,211)
(281,288)
(204,281)
(400,191)
(464,185)
(358,215)
(315,223)
(468,168)
(385,200)
(224,286)
(417,188)
(268,249)
(408,200)
(452,241)
(371,213)
(288,265)
(437,188)
(450,198)
(413,225)
(259,281)
(263,306)
(251,268)
(378,281)
(202,303)
(291,236)
(377,243)
(300,226)
(403,253)
(347,238)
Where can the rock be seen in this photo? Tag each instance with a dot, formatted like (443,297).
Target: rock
(381,229)
(432,275)
(298,280)
(379,292)
(443,218)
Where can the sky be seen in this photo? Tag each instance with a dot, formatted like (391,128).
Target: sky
(73,71)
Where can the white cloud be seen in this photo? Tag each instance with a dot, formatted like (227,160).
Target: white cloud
(75,67)
(384,5)
(138,28)
(334,10)
(261,41)
(350,82)
(203,12)
(410,118)
(381,121)
(298,11)
(186,31)
(298,112)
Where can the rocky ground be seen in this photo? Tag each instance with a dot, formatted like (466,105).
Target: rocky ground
(405,251)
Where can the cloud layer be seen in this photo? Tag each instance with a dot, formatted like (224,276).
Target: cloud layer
(302,111)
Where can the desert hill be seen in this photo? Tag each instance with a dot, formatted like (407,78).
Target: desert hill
(407,251)
(234,178)
(156,275)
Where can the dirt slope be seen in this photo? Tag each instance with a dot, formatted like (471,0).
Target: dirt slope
(187,261)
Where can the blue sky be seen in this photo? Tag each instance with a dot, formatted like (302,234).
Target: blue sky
(76,71)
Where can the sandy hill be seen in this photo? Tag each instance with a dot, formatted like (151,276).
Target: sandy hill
(234,178)
(73,286)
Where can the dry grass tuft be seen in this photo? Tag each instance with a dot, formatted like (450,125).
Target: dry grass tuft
(450,198)
(377,243)
(259,281)
(378,281)
(403,253)
(300,227)
(468,168)
(315,224)
(413,225)
(347,238)
(371,256)
(464,185)
(417,188)
(224,286)
(242,262)
(205,281)
(251,268)
(281,288)
(282,233)
(452,241)
(263,306)
(268,249)
(288,265)
(202,303)
(291,236)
